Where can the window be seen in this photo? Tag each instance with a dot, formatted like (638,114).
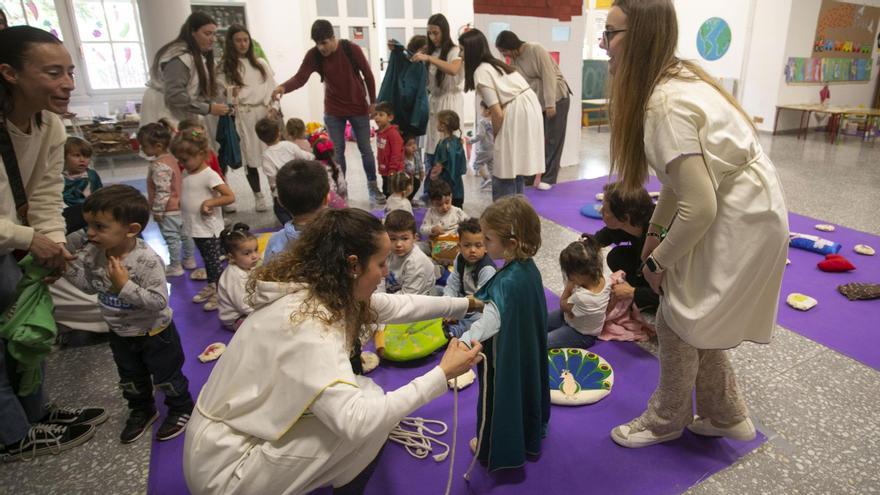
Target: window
(37,13)
(112,44)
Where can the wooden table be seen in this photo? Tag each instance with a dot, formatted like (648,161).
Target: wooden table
(598,105)
(871,116)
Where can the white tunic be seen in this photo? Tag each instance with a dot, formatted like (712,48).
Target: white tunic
(282,412)
(519,144)
(725,289)
(447,96)
(232,295)
(251,105)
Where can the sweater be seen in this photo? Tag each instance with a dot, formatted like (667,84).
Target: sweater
(164,181)
(344,92)
(389,151)
(78,187)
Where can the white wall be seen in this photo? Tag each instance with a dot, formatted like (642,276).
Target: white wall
(761,80)
(692,14)
(538,29)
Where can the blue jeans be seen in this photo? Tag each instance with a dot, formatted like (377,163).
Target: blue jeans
(171,227)
(559,334)
(458,328)
(17,414)
(507,187)
(360,127)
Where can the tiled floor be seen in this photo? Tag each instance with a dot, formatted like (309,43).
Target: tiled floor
(818,408)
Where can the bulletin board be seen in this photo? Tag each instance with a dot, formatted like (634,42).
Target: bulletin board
(225,15)
(845,30)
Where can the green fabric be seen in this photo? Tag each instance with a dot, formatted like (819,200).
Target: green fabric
(450,153)
(28,326)
(405,87)
(517,385)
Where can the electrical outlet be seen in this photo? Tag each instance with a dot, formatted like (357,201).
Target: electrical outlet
(758,120)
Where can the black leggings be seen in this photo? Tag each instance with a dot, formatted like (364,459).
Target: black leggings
(252,174)
(211,251)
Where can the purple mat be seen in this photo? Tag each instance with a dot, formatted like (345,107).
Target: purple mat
(848,327)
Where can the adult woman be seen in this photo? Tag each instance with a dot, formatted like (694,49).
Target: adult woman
(445,79)
(182,80)
(515,114)
(309,421)
(248,82)
(719,268)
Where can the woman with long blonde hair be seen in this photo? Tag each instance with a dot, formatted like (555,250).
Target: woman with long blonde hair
(718,267)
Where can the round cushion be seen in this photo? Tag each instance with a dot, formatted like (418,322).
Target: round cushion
(864,249)
(592,210)
(408,341)
(578,377)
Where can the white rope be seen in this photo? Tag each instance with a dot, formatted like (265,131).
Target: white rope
(418,439)
(467,474)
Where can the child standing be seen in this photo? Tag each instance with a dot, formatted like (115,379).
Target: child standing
(303,189)
(275,156)
(450,162)
(79,181)
(412,164)
(296,134)
(129,279)
(582,305)
(202,195)
(243,253)
(164,182)
(472,268)
(512,329)
(325,152)
(401,186)
(484,146)
(389,145)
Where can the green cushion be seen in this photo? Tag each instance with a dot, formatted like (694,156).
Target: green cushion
(408,341)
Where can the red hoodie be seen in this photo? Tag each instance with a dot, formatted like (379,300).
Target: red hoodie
(389,146)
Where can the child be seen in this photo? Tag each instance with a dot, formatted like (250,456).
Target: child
(195,125)
(79,181)
(412,163)
(325,153)
(129,279)
(512,329)
(202,196)
(450,162)
(164,182)
(472,268)
(243,254)
(275,156)
(401,186)
(484,146)
(296,134)
(303,189)
(440,225)
(410,271)
(582,305)
(389,145)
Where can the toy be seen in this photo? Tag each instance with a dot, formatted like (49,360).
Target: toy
(592,210)
(864,249)
(369,360)
(856,291)
(824,227)
(212,352)
(800,301)
(813,243)
(464,381)
(578,377)
(835,263)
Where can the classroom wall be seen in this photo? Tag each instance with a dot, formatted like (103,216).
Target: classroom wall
(762,76)
(693,13)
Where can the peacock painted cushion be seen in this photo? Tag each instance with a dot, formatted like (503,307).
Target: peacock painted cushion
(408,341)
(578,377)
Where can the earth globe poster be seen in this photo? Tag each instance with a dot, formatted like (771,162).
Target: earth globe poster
(713,38)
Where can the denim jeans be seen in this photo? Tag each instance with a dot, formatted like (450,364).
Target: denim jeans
(559,334)
(507,187)
(458,328)
(171,227)
(360,127)
(17,414)
(159,356)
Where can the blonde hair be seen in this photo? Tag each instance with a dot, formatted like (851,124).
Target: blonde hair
(190,143)
(647,59)
(512,218)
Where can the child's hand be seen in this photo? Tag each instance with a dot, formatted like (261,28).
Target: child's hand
(435,171)
(436,230)
(157,217)
(206,209)
(623,290)
(474,304)
(117,273)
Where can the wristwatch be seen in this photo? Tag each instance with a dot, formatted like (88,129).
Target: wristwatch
(653,266)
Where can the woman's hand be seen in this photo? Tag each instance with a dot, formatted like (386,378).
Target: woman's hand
(421,57)
(474,304)
(49,253)
(278,92)
(458,358)
(655,280)
(219,109)
(623,290)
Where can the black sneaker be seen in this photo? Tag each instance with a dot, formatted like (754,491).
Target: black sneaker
(174,425)
(45,439)
(68,416)
(137,423)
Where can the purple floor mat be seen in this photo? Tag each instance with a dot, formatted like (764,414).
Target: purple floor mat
(848,327)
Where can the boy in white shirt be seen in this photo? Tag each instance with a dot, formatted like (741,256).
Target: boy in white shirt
(440,225)
(410,271)
(278,152)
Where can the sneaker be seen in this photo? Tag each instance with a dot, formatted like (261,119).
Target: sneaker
(174,425)
(174,271)
(45,439)
(376,195)
(543,186)
(137,423)
(198,274)
(743,431)
(211,303)
(229,208)
(206,293)
(260,202)
(634,435)
(189,263)
(68,416)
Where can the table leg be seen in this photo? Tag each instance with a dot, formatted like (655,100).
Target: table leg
(776,121)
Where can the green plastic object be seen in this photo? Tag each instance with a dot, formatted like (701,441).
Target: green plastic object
(409,341)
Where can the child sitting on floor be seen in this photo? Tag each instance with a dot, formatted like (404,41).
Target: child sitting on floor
(450,162)
(303,189)
(325,152)
(512,330)
(441,222)
(79,181)
(243,254)
(400,185)
(472,268)
(296,134)
(275,156)
(410,271)
(582,305)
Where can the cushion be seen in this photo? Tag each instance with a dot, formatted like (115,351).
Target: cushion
(864,249)
(369,360)
(212,352)
(408,341)
(835,263)
(800,302)
(824,227)
(578,377)
(860,291)
(813,243)
(463,381)
(592,210)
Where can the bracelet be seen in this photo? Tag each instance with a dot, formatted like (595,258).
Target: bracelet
(654,234)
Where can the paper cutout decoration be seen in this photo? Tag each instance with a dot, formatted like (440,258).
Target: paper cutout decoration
(713,38)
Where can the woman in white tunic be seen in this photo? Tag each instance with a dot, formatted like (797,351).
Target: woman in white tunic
(515,112)
(182,81)
(248,82)
(445,80)
(719,267)
(283,412)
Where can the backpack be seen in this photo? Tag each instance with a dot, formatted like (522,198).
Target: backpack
(346,48)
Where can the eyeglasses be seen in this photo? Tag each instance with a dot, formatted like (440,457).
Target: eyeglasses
(607,36)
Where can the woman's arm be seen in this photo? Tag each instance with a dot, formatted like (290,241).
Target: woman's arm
(452,68)
(496,113)
(407,308)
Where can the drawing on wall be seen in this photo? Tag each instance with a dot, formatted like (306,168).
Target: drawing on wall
(713,38)
(845,30)
(225,16)
(827,69)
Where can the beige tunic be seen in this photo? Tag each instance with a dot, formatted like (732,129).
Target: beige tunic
(542,73)
(447,96)
(251,105)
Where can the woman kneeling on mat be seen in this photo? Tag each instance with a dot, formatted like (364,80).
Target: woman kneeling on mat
(283,412)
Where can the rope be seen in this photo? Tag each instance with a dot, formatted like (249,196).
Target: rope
(467,475)
(418,440)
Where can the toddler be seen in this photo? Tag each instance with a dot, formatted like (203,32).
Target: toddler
(412,164)
(401,186)
(277,153)
(129,279)
(243,253)
(296,134)
(203,193)
(440,225)
(484,146)
(472,268)
(325,152)
(389,145)
(450,162)
(410,271)
(79,181)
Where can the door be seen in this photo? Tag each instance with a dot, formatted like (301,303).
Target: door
(401,20)
(352,20)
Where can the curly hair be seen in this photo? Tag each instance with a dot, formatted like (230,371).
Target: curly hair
(513,218)
(583,257)
(319,259)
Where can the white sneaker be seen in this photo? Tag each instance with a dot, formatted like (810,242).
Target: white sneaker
(174,271)
(189,263)
(633,435)
(206,294)
(743,431)
(260,201)
(543,186)
(198,274)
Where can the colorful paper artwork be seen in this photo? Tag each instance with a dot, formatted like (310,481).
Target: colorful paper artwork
(845,30)
(819,70)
